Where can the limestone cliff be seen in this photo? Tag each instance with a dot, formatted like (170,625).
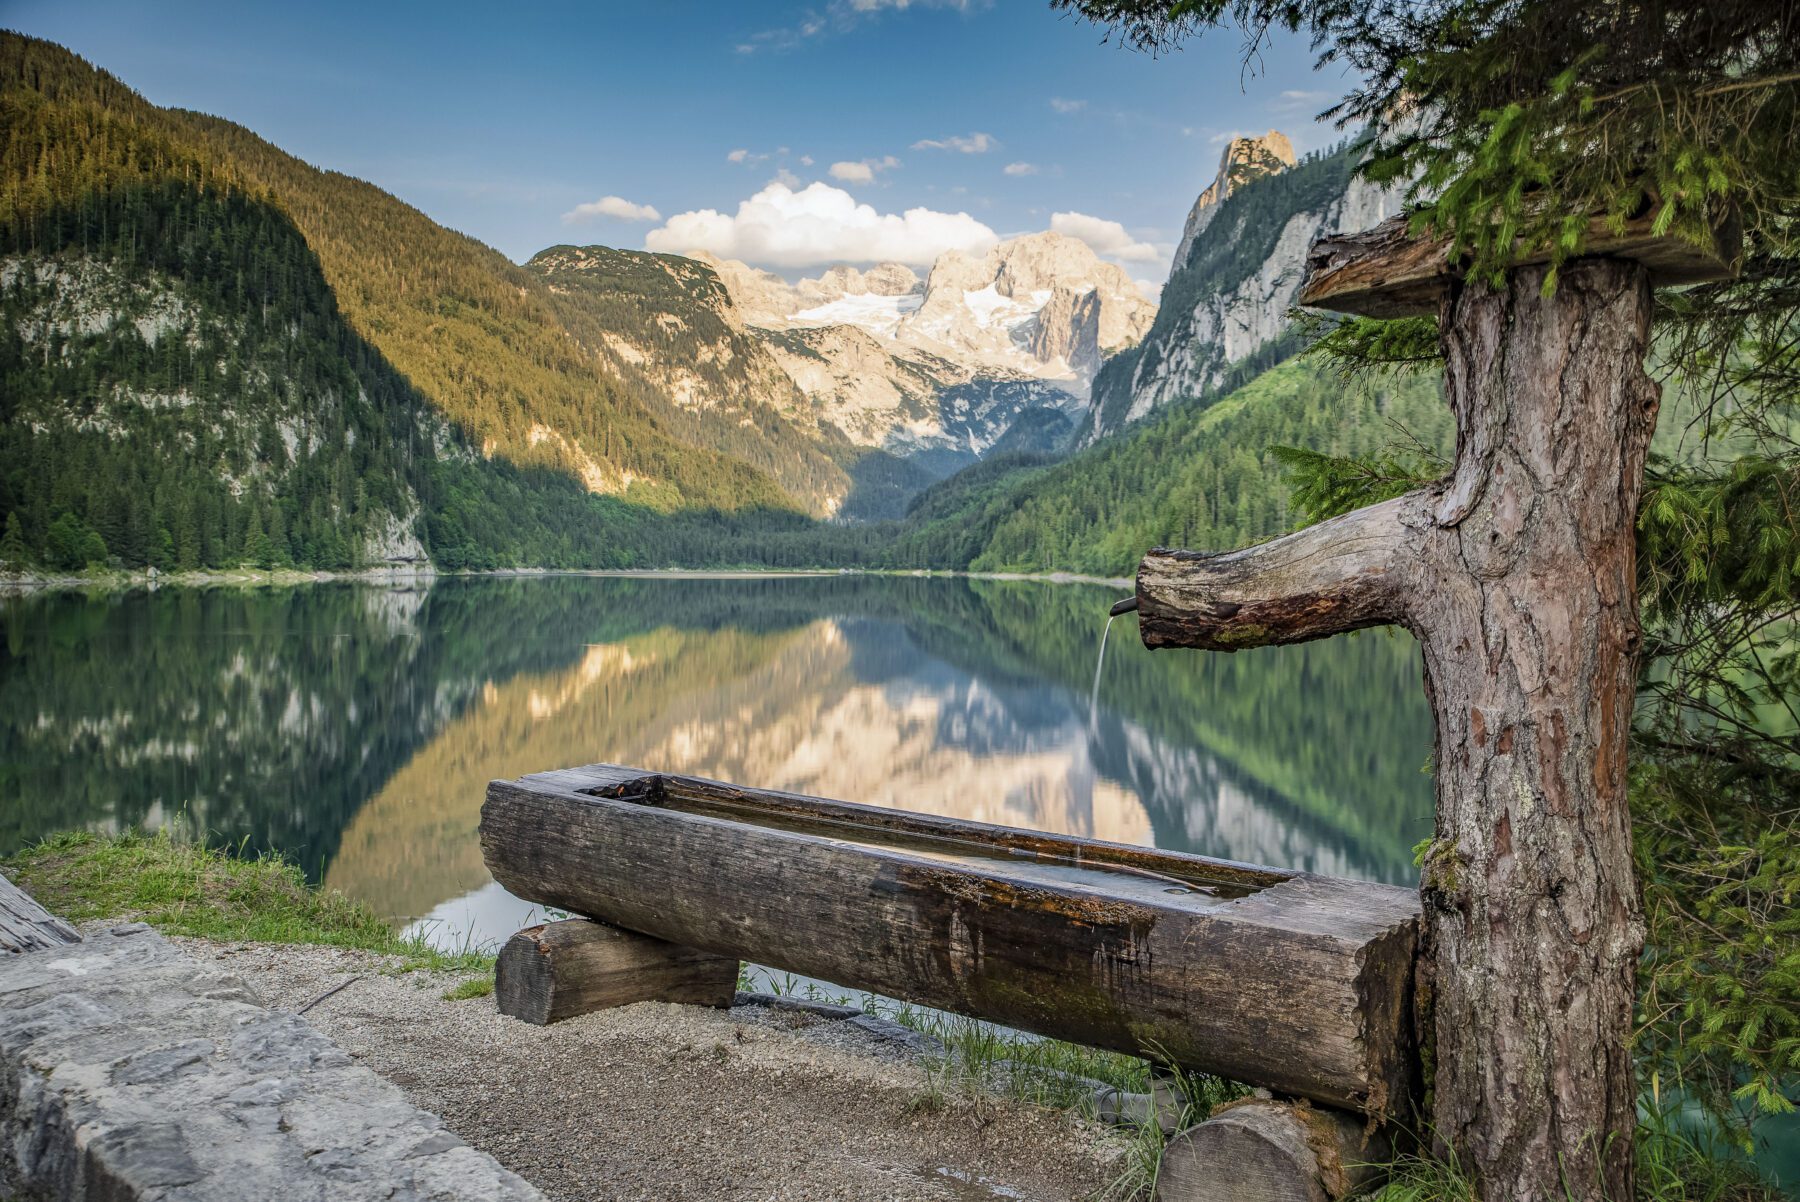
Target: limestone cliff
(1236,274)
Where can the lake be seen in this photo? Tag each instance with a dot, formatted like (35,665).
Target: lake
(353,727)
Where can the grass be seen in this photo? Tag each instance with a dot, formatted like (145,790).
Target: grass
(474,987)
(209,892)
(1675,1163)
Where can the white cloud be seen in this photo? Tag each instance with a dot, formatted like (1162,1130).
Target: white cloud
(1108,238)
(1294,101)
(611,206)
(841,16)
(1020,169)
(740,155)
(817,225)
(786,178)
(863,171)
(806,160)
(1062,105)
(975,143)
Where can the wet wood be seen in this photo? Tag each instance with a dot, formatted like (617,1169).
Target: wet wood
(1336,576)
(1263,1150)
(26,926)
(1386,272)
(561,969)
(1299,982)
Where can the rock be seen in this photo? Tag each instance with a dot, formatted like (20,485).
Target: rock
(1210,323)
(129,1071)
(1243,160)
(946,365)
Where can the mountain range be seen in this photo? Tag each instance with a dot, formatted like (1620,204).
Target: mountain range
(215,353)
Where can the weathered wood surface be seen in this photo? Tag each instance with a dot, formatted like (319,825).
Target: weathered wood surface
(561,969)
(1262,1150)
(1517,574)
(1303,984)
(26,926)
(1386,272)
(1338,575)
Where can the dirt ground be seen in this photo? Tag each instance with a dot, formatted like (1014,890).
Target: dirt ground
(653,1101)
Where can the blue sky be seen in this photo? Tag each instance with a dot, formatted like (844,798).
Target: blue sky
(501,121)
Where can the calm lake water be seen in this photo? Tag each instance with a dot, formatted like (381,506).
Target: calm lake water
(354,727)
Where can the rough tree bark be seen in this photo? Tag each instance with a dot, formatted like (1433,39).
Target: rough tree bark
(1517,575)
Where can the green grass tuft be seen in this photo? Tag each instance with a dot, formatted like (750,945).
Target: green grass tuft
(207,892)
(1676,1162)
(472,988)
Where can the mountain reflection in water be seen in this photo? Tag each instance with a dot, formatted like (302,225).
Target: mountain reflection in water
(355,727)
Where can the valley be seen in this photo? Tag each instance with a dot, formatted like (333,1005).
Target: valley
(388,393)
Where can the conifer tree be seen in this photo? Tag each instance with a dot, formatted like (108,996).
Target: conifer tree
(13,551)
(1531,127)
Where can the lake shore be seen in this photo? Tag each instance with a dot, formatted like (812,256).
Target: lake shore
(98,580)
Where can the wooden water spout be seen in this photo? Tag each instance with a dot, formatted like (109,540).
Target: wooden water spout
(1295,982)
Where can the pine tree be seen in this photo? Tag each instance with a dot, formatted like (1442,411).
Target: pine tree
(13,551)
(1534,128)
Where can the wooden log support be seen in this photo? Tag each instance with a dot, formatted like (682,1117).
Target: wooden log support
(561,969)
(1387,272)
(1298,982)
(1336,576)
(1263,1150)
(26,926)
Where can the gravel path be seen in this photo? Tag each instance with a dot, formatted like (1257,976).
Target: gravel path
(658,1102)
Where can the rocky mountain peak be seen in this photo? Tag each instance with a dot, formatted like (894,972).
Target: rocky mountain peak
(1238,272)
(883,279)
(1242,160)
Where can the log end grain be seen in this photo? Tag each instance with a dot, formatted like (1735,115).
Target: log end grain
(1266,1150)
(561,969)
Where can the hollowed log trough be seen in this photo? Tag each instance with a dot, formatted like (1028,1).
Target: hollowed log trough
(1299,983)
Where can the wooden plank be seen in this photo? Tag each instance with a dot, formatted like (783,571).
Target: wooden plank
(1297,982)
(26,926)
(561,969)
(1263,1150)
(1387,272)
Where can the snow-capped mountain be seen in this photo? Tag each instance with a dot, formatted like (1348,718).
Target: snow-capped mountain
(858,387)
(1043,304)
(939,369)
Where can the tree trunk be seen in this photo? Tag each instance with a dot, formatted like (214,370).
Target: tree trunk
(1527,612)
(1518,576)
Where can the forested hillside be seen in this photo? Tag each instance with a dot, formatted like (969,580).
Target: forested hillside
(666,323)
(214,352)
(1198,474)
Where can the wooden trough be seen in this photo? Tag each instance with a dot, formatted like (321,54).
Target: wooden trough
(1298,983)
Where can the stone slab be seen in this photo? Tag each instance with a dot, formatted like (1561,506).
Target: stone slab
(129,1071)
(26,926)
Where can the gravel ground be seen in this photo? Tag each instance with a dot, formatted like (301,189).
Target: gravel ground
(656,1102)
